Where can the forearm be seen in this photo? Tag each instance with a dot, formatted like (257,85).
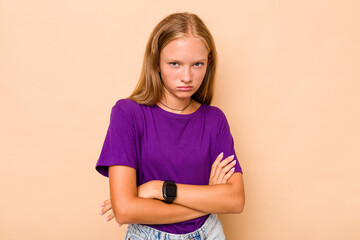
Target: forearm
(221,198)
(151,211)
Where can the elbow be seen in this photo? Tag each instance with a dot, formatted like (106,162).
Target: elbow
(239,208)
(122,214)
(120,217)
(238,205)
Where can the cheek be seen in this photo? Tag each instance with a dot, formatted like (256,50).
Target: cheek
(199,75)
(169,75)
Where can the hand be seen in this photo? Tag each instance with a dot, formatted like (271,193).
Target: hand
(106,206)
(222,171)
(151,189)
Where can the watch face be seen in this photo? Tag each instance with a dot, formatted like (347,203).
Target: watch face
(171,190)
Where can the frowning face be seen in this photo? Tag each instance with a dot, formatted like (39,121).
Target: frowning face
(183,64)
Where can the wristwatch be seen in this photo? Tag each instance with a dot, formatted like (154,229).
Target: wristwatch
(169,191)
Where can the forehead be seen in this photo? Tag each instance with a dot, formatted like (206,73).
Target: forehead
(185,48)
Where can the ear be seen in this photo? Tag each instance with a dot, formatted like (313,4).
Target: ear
(209,60)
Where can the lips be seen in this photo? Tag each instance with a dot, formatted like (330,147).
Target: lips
(185,88)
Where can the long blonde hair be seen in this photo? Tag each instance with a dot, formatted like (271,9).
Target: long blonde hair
(149,88)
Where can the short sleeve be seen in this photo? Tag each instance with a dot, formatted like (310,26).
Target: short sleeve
(224,141)
(119,146)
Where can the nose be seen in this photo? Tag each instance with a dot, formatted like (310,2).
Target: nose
(186,75)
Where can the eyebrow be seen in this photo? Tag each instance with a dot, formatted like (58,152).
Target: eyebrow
(174,60)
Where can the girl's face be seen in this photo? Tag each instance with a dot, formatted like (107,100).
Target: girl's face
(183,64)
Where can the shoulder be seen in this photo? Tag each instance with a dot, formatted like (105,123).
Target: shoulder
(130,112)
(126,104)
(216,117)
(214,112)
(124,109)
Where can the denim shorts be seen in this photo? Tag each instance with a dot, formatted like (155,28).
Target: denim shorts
(211,230)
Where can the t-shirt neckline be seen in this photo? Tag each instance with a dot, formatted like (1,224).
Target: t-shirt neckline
(177,115)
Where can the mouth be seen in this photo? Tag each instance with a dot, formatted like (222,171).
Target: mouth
(188,88)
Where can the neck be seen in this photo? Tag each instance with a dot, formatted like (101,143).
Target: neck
(176,106)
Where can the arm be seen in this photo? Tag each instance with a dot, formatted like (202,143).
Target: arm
(220,174)
(228,197)
(129,208)
(220,198)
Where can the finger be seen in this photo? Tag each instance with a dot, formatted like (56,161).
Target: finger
(221,165)
(106,208)
(228,175)
(224,167)
(215,164)
(108,218)
(226,161)
(105,202)
(214,167)
(224,170)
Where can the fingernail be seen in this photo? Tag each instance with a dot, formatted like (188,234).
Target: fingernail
(119,225)
(221,154)
(106,219)
(233,162)
(101,205)
(232,169)
(100,213)
(232,156)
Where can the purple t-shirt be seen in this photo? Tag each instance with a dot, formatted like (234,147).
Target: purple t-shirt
(162,145)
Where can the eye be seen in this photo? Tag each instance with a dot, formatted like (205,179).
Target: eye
(198,64)
(174,64)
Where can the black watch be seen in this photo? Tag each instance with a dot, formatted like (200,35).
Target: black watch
(169,191)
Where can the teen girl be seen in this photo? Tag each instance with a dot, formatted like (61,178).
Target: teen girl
(168,154)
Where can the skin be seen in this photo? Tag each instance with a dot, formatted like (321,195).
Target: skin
(222,170)
(183,62)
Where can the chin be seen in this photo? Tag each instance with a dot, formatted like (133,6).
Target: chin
(185,96)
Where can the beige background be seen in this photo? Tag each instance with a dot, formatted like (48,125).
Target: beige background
(288,82)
